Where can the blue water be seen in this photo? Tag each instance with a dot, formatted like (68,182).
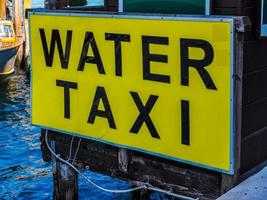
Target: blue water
(23,174)
(22,171)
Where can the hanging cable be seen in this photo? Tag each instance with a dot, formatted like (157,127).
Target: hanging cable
(74,158)
(71,143)
(143,186)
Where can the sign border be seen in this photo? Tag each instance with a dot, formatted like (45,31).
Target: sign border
(145,16)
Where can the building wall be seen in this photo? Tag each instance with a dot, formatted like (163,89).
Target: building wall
(254,108)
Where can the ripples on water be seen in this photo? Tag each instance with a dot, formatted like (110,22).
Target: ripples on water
(23,174)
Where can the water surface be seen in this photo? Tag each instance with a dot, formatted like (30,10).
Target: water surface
(23,174)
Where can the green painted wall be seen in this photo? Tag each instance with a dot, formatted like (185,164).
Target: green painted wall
(165,6)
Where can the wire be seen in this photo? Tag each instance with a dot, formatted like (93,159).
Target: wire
(86,178)
(70,152)
(143,186)
(74,158)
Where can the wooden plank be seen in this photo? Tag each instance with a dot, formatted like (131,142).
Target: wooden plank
(255,55)
(26,45)
(65,182)
(254,117)
(255,84)
(254,150)
(17,18)
(243,25)
(123,159)
(162,173)
(2,9)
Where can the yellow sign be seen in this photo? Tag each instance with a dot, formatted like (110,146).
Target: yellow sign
(157,85)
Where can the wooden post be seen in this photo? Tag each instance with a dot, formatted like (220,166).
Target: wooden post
(123,160)
(65,179)
(26,49)
(26,4)
(140,195)
(65,182)
(18,30)
(2,9)
(17,18)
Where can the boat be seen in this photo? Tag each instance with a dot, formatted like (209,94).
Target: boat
(9,46)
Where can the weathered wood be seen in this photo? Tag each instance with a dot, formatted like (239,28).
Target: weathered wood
(254,150)
(2,9)
(17,18)
(159,172)
(65,179)
(238,88)
(141,195)
(18,30)
(123,159)
(228,181)
(65,182)
(26,45)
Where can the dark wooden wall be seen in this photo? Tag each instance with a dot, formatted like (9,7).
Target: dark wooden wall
(254,116)
(138,167)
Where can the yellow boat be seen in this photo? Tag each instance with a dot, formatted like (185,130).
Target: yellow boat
(9,46)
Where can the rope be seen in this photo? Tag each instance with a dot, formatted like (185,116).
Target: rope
(143,186)
(70,152)
(74,158)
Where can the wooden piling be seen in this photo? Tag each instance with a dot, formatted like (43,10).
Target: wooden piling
(65,179)
(26,48)
(17,18)
(65,182)
(123,160)
(140,195)
(19,31)
(2,9)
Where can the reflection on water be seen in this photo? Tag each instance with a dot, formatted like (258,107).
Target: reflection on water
(23,174)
